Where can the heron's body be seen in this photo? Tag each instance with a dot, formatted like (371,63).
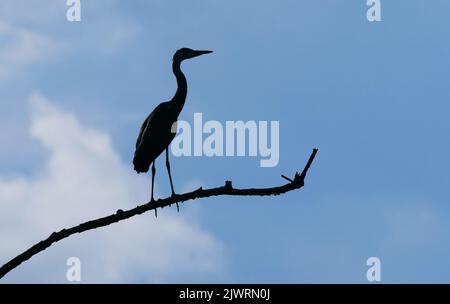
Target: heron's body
(155,136)
(156,133)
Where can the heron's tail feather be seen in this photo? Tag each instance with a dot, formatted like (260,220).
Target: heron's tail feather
(141,163)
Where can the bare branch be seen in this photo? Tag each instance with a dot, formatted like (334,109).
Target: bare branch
(121,215)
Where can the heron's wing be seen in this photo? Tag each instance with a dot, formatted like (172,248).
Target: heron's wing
(143,130)
(152,119)
(152,139)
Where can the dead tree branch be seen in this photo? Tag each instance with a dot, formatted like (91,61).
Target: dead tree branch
(121,215)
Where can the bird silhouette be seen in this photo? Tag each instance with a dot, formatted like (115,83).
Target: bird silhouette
(156,133)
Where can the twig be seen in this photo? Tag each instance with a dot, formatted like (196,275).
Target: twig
(287,178)
(121,215)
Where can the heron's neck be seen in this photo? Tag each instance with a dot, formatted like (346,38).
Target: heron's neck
(180,96)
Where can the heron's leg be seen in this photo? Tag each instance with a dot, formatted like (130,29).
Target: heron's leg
(168,170)
(153,178)
(170,175)
(153,184)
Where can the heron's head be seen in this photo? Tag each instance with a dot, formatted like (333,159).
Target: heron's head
(186,53)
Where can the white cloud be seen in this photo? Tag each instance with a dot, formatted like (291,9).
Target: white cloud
(37,31)
(21,47)
(84,179)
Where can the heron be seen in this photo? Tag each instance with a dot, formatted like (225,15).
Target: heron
(156,132)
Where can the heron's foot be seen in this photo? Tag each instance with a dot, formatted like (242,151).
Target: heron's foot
(178,206)
(173,195)
(152,200)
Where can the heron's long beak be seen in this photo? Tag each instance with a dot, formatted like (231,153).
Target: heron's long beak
(199,53)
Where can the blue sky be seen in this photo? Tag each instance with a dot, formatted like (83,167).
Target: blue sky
(373,97)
